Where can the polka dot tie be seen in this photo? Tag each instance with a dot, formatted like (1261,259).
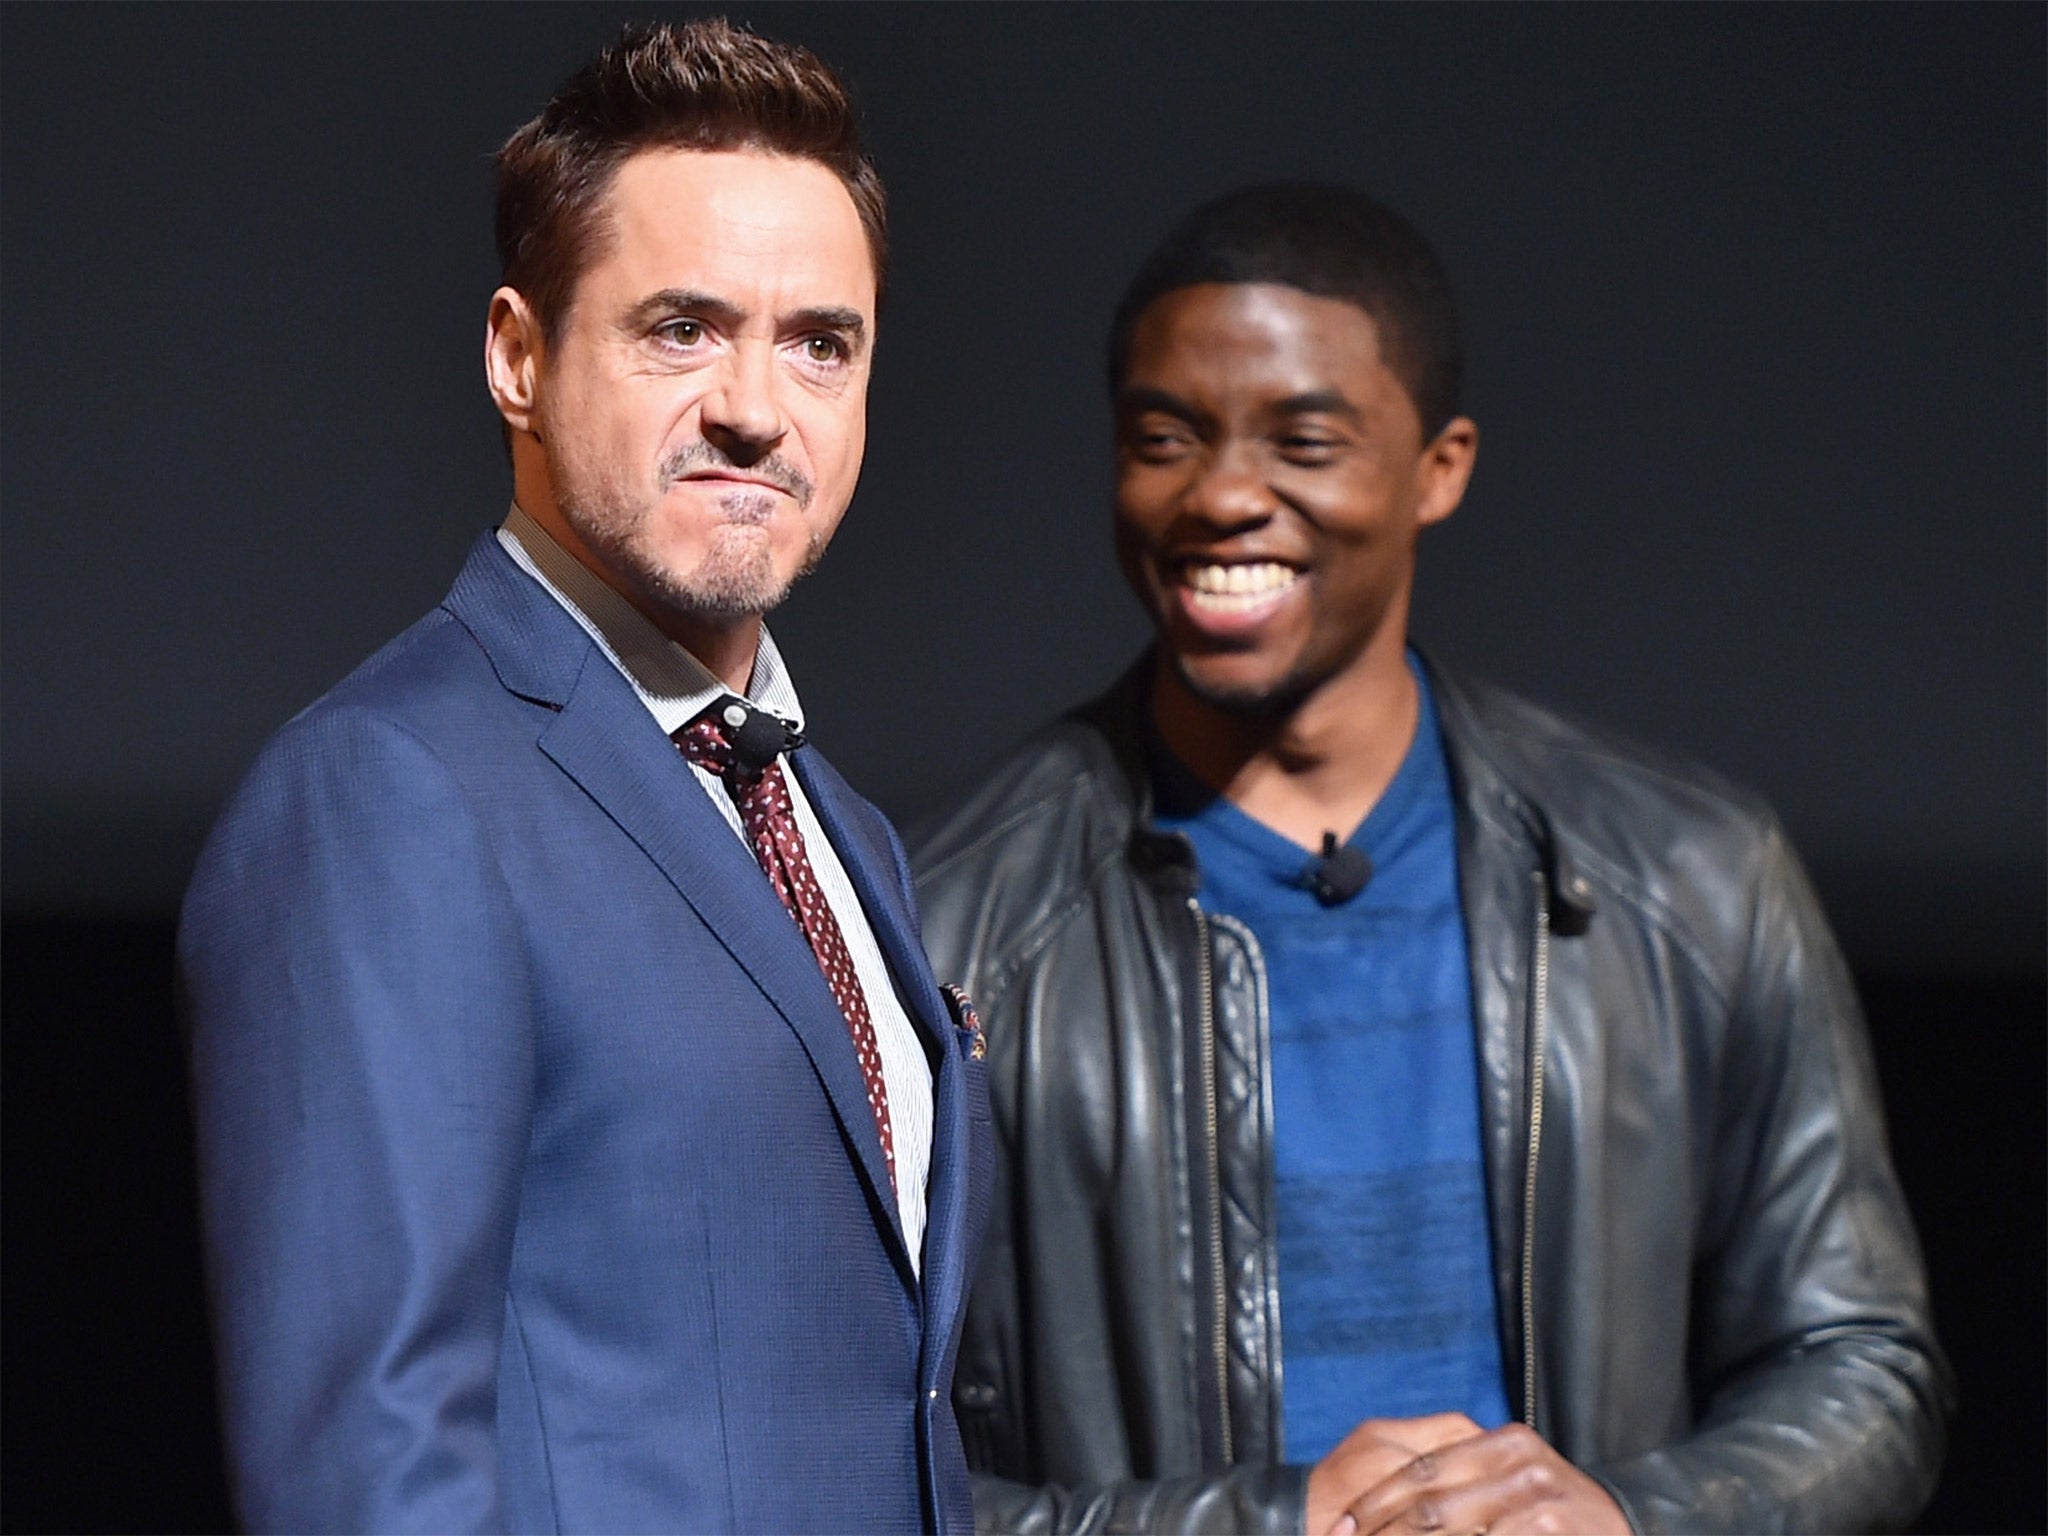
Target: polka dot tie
(770,823)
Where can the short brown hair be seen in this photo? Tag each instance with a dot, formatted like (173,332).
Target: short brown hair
(706,85)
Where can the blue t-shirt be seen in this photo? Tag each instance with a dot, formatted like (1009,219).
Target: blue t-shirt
(1386,1290)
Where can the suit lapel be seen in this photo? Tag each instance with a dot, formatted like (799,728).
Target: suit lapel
(870,863)
(604,739)
(948,1259)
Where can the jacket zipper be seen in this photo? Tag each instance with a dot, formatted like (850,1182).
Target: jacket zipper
(1539,1029)
(1539,1042)
(1221,1340)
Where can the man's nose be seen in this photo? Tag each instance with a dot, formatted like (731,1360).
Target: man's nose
(742,413)
(1231,489)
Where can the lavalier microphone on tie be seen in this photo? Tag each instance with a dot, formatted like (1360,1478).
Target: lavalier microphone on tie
(757,737)
(1338,873)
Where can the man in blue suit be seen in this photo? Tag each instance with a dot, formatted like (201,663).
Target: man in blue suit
(584,1141)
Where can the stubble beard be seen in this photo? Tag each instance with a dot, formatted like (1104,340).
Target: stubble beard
(736,578)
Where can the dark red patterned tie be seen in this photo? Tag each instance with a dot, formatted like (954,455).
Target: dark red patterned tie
(770,823)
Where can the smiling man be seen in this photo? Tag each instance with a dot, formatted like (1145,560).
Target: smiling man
(1415,1112)
(584,1142)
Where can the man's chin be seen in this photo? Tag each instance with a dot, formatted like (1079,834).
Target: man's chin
(739,580)
(724,600)
(1239,691)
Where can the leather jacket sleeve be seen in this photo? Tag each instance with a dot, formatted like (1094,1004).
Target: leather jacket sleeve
(1253,1500)
(1823,1392)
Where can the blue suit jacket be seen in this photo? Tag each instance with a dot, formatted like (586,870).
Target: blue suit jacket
(540,1185)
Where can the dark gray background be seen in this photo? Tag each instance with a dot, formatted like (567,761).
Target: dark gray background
(1754,303)
(1755,311)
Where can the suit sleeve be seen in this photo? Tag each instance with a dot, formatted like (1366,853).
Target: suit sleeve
(1824,1394)
(363,1070)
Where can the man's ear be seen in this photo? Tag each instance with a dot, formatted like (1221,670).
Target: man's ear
(513,354)
(1445,469)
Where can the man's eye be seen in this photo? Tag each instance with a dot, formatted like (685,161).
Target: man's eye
(1156,441)
(1301,445)
(681,333)
(824,349)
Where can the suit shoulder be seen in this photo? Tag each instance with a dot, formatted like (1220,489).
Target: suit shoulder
(434,682)
(433,666)
(424,710)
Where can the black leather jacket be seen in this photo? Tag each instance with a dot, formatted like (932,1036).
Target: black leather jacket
(1710,1291)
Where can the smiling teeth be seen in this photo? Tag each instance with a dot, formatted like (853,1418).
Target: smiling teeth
(1237,585)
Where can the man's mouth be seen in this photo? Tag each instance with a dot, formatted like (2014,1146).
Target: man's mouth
(729,477)
(702,464)
(1233,588)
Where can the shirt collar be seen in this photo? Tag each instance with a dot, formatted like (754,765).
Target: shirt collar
(674,685)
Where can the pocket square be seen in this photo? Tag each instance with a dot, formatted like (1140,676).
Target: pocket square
(965,1019)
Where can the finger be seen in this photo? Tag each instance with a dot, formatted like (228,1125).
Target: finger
(1471,1509)
(1374,1451)
(1417,1490)
(1414,1435)
(1359,1464)
(1434,1430)
(1379,1434)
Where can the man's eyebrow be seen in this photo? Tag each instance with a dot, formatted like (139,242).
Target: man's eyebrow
(690,301)
(1317,402)
(850,323)
(683,301)
(1143,397)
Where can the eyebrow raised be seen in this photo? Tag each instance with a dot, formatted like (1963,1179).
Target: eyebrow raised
(671,302)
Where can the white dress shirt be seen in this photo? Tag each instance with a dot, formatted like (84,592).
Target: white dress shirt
(676,688)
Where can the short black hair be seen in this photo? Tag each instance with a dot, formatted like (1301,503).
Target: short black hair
(1328,241)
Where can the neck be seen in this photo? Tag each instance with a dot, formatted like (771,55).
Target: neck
(1320,767)
(723,647)
(726,651)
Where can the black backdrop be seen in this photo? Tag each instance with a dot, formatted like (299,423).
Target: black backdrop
(1754,301)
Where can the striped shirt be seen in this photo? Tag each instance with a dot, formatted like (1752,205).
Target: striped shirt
(676,688)
(1386,1258)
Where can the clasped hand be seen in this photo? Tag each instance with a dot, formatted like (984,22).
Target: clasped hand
(1445,1474)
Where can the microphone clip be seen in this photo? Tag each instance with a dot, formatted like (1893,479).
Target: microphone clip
(756,736)
(1338,873)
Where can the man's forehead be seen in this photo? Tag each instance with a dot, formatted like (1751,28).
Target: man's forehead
(1268,336)
(736,221)
(1230,310)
